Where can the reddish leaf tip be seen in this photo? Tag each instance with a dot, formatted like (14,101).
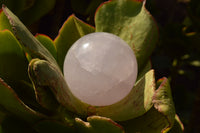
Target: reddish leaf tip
(39,34)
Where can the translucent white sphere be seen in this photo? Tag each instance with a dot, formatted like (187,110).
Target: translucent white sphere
(100,69)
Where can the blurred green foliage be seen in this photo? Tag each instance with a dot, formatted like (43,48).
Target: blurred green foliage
(177,55)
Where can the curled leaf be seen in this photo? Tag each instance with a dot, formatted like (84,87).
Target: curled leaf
(44,74)
(163,102)
(160,118)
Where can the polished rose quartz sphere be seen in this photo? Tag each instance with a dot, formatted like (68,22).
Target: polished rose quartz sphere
(100,69)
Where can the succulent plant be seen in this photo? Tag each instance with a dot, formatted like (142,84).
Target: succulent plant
(35,97)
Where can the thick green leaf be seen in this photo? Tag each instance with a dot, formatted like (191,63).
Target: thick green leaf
(13,63)
(151,122)
(97,124)
(160,118)
(4,22)
(71,31)
(50,126)
(129,20)
(33,47)
(44,95)
(48,44)
(14,67)
(10,102)
(138,101)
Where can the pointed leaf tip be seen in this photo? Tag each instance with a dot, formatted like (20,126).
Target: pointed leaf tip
(72,29)
(30,44)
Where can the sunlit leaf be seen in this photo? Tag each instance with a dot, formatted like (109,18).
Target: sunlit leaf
(129,20)
(71,31)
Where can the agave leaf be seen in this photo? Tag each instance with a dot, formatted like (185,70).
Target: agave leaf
(48,44)
(129,20)
(13,62)
(33,47)
(15,125)
(71,31)
(52,126)
(10,102)
(97,124)
(160,118)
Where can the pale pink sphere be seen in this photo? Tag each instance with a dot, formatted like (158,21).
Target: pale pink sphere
(100,69)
